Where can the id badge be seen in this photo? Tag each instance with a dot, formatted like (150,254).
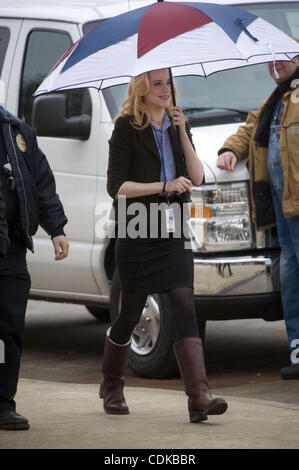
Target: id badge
(170,223)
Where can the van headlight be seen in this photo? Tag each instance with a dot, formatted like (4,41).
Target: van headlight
(220,217)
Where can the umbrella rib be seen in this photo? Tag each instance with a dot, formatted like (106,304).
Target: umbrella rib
(204,72)
(201,64)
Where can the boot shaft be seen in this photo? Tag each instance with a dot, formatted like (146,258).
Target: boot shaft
(190,358)
(114,365)
(115,357)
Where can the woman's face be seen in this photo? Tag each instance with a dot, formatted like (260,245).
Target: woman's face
(159,96)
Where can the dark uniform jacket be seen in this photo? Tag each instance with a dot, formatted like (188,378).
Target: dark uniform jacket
(39,203)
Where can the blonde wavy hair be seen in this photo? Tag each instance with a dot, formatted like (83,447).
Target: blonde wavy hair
(135,105)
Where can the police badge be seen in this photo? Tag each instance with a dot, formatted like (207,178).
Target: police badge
(21,142)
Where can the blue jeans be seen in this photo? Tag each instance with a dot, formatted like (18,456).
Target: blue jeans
(288,235)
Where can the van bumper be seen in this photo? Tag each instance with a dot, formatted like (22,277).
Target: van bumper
(236,286)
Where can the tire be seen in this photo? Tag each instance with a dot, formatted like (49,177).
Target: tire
(100,313)
(152,353)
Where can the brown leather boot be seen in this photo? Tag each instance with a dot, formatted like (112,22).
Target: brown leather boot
(112,384)
(190,358)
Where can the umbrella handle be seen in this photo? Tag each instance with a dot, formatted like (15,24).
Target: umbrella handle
(186,195)
(172,87)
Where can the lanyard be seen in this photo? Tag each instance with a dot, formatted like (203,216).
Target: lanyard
(161,153)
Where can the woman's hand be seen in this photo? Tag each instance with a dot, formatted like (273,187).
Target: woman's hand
(179,185)
(178,117)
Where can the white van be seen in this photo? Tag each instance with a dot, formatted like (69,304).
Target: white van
(236,268)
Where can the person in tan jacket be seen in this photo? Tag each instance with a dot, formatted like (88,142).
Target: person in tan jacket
(270,140)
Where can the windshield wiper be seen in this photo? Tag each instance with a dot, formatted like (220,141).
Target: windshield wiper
(241,112)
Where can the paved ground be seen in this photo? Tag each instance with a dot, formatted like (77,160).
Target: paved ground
(70,416)
(64,343)
(58,391)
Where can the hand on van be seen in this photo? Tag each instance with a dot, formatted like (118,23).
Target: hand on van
(61,247)
(227,161)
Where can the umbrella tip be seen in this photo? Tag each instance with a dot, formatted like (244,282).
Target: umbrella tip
(276,75)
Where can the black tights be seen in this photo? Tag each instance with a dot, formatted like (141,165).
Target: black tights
(182,305)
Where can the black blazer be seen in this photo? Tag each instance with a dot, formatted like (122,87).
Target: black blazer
(134,156)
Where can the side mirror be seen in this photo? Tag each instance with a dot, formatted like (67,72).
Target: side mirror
(49,118)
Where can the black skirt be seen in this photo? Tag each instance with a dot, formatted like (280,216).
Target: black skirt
(149,266)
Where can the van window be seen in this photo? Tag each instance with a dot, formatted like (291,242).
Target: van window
(4,38)
(90,25)
(283,15)
(43,50)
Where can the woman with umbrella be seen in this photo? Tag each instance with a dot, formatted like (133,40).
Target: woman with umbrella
(145,169)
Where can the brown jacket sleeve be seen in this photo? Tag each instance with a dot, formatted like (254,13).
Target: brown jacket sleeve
(120,156)
(239,142)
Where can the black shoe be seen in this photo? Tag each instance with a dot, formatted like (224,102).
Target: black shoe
(12,421)
(290,372)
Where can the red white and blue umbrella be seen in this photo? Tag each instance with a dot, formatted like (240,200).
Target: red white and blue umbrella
(191,38)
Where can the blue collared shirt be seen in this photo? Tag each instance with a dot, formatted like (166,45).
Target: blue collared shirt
(165,150)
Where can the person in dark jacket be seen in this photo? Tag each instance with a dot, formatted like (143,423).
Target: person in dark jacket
(29,191)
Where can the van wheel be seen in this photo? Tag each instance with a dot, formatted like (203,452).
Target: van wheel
(100,313)
(152,353)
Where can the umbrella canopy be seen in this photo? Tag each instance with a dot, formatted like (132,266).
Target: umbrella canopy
(191,38)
